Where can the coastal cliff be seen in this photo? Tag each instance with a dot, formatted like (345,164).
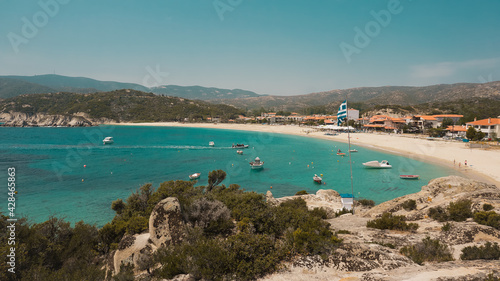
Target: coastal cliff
(19,119)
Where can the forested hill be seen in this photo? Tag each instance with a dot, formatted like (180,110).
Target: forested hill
(120,105)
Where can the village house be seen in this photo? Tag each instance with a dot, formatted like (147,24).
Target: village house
(490,127)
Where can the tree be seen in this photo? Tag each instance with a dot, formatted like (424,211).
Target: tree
(471,133)
(215,177)
(118,206)
(447,122)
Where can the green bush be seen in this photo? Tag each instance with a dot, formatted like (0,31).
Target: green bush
(366,202)
(427,250)
(460,210)
(446,227)
(456,211)
(490,218)
(388,221)
(343,211)
(302,192)
(409,205)
(487,252)
(487,207)
(438,213)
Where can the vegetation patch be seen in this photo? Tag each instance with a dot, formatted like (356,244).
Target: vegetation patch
(366,202)
(490,218)
(409,205)
(456,211)
(488,251)
(428,250)
(388,221)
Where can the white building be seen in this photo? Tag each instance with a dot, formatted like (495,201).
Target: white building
(352,114)
(488,126)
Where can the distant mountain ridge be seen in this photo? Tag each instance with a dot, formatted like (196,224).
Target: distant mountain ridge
(13,85)
(387,95)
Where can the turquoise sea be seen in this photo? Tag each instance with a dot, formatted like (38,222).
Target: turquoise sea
(68,172)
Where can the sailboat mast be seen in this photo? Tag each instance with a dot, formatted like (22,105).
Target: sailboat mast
(350,161)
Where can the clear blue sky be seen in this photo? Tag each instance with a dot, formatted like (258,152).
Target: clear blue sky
(281,47)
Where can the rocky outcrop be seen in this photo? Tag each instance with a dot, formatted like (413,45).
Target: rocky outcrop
(131,250)
(328,199)
(373,254)
(18,119)
(440,192)
(166,225)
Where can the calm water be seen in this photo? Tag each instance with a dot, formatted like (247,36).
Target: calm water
(52,180)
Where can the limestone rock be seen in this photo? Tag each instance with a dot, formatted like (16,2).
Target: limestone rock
(166,225)
(131,249)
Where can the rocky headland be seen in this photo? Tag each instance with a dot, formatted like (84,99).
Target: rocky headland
(365,253)
(19,119)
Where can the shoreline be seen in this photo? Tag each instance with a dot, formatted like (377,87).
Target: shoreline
(483,165)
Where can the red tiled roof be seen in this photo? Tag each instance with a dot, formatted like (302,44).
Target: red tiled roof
(486,122)
(457,128)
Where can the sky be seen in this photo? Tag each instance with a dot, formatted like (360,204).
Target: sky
(275,47)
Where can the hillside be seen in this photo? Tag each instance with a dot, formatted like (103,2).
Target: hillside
(202,93)
(370,96)
(120,106)
(10,87)
(77,84)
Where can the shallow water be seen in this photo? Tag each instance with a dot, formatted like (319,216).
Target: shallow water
(52,180)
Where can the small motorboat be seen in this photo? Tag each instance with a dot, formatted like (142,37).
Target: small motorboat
(108,140)
(317,178)
(384,164)
(240,152)
(257,164)
(194,176)
(240,145)
(409,177)
(353,150)
(340,153)
(211,143)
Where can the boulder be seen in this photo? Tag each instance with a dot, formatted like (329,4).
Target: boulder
(166,225)
(130,250)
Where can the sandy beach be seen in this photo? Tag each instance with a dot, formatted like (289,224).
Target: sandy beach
(481,165)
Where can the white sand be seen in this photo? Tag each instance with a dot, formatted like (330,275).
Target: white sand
(482,165)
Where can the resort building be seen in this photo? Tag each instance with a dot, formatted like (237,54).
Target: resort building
(456,131)
(384,122)
(352,114)
(490,127)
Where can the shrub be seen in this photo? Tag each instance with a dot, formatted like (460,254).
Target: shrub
(428,250)
(438,213)
(302,192)
(409,205)
(388,221)
(487,207)
(366,202)
(446,227)
(388,245)
(460,210)
(490,218)
(487,252)
(343,231)
(211,216)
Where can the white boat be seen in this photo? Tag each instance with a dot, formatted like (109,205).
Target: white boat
(108,140)
(384,164)
(257,164)
(238,145)
(353,150)
(239,152)
(194,176)
(317,178)
(211,143)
